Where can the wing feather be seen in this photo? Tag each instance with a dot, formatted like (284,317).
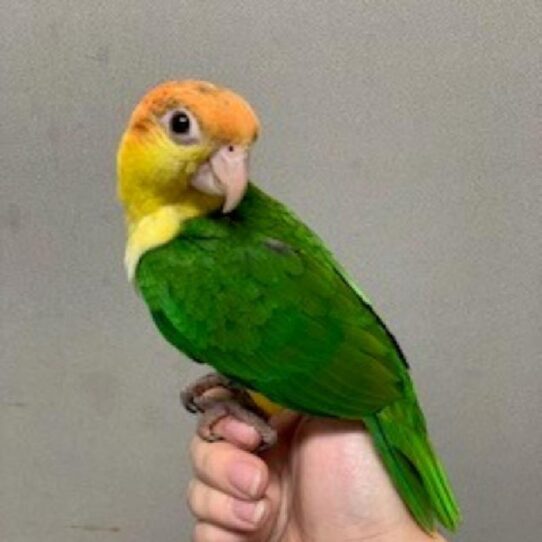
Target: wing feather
(282,322)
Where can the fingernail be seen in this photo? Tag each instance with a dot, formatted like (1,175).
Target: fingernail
(246,478)
(249,511)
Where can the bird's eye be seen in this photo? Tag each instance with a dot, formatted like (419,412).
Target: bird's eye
(181,126)
(179,123)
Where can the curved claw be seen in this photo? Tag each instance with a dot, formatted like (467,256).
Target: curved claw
(214,410)
(196,390)
(187,400)
(232,401)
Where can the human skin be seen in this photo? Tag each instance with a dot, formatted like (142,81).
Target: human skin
(323,481)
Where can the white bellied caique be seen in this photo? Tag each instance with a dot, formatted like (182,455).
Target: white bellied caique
(235,280)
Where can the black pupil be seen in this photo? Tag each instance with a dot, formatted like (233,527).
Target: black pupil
(180,123)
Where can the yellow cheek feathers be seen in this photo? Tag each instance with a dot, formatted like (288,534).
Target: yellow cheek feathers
(154,188)
(153,171)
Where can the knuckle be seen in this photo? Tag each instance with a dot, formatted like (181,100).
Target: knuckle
(195,498)
(205,460)
(204,532)
(200,532)
(210,505)
(190,491)
(211,465)
(195,448)
(202,459)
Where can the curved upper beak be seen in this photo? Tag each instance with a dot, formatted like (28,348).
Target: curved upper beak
(224,174)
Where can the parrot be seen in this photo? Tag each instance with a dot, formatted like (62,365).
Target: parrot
(235,280)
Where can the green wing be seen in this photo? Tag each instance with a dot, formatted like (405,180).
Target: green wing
(256,295)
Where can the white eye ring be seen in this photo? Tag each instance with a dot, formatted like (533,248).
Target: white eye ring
(181,126)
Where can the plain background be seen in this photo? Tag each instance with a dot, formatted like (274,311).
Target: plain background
(404,132)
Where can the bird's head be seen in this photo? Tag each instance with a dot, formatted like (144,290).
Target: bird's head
(186,143)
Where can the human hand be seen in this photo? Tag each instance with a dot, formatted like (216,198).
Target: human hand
(322,481)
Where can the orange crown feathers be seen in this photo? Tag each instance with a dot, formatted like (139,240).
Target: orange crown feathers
(224,116)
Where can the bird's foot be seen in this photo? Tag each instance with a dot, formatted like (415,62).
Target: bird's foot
(192,395)
(216,409)
(215,397)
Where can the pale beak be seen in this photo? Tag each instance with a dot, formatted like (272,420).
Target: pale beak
(225,174)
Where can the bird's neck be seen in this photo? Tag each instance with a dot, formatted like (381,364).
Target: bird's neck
(154,221)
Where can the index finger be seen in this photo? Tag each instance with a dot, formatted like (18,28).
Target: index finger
(228,468)
(238,433)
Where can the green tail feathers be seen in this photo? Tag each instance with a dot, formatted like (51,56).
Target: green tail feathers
(401,439)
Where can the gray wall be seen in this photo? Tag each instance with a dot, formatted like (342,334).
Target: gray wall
(404,132)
